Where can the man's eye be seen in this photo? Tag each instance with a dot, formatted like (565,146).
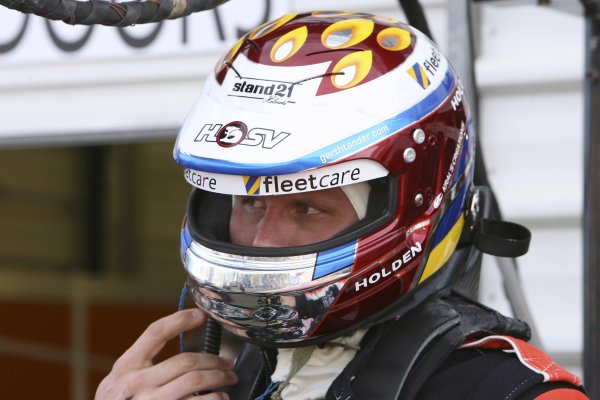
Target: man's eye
(247,201)
(251,202)
(307,209)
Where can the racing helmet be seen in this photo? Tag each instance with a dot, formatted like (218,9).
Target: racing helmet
(314,101)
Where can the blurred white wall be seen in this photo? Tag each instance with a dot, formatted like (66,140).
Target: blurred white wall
(530,75)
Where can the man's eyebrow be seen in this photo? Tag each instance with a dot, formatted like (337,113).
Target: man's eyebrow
(316,201)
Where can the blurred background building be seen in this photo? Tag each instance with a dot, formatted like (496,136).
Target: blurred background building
(91,201)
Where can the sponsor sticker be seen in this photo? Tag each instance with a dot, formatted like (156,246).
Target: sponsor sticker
(265,91)
(433,62)
(354,144)
(317,179)
(418,74)
(232,134)
(459,94)
(237,133)
(448,179)
(424,71)
(455,156)
(403,258)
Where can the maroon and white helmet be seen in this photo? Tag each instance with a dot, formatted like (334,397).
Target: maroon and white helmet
(314,101)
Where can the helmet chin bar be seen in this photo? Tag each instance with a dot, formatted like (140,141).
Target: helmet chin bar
(288,319)
(281,320)
(248,297)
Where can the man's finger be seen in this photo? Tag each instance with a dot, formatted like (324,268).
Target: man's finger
(154,338)
(195,381)
(180,364)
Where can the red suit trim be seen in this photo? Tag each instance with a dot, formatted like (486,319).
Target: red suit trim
(562,394)
(530,356)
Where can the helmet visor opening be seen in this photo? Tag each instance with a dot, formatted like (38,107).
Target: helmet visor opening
(288,224)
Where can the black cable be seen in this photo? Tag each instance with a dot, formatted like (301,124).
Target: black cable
(416,16)
(212,337)
(212,344)
(99,12)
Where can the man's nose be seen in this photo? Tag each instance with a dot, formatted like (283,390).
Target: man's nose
(272,230)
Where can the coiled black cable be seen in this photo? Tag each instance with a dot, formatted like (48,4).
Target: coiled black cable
(100,12)
(212,337)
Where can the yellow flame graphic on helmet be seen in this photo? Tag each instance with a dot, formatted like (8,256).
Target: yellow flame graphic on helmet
(353,36)
(227,57)
(394,39)
(287,45)
(352,69)
(344,34)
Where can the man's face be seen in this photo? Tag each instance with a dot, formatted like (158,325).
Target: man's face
(290,220)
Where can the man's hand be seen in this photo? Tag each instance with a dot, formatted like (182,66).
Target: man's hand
(135,377)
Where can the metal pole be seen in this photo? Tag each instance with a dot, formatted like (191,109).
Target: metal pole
(516,296)
(591,208)
(461,52)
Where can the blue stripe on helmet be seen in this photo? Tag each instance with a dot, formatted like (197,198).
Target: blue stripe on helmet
(185,241)
(333,260)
